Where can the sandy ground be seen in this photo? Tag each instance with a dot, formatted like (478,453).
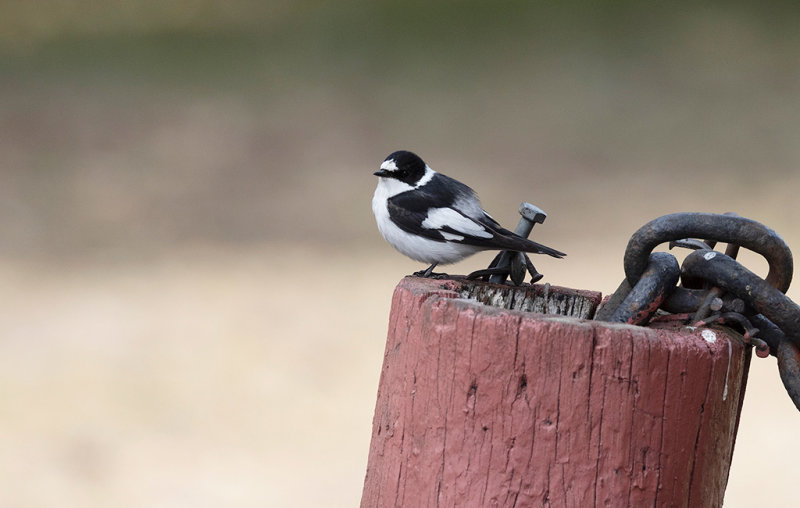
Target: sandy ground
(200,380)
(194,294)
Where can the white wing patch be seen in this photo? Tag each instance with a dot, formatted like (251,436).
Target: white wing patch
(451,236)
(440,217)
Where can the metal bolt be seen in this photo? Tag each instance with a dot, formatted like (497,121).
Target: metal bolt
(531,215)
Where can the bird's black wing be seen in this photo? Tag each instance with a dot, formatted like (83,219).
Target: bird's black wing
(410,211)
(437,211)
(444,209)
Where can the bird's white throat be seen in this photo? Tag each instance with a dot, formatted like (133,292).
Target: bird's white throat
(390,187)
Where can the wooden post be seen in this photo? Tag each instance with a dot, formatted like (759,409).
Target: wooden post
(483,406)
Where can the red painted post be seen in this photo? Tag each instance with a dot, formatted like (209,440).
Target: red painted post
(482,406)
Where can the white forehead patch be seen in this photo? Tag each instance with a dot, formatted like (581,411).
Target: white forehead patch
(389,165)
(440,217)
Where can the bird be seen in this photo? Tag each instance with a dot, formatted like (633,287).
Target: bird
(435,219)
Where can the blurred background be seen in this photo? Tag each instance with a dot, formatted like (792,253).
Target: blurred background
(195,296)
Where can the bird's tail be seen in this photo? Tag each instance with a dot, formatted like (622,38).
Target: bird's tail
(511,241)
(538,248)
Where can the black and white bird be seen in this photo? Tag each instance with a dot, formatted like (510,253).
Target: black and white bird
(435,219)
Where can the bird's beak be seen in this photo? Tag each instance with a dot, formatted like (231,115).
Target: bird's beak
(381,172)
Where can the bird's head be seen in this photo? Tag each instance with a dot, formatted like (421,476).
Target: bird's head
(403,166)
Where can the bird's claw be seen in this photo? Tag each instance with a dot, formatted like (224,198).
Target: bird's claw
(423,274)
(428,273)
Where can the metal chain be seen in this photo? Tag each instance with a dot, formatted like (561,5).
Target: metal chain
(715,288)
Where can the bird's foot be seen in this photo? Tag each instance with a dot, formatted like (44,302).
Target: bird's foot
(430,275)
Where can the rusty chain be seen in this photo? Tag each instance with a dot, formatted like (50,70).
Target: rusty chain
(715,288)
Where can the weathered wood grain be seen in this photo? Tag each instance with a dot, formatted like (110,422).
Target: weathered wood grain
(483,406)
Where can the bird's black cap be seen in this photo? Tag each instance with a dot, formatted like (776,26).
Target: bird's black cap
(410,167)
(404,159)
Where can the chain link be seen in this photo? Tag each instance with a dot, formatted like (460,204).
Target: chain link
(715,288)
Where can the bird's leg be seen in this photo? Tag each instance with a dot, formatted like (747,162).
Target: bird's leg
(426,273)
